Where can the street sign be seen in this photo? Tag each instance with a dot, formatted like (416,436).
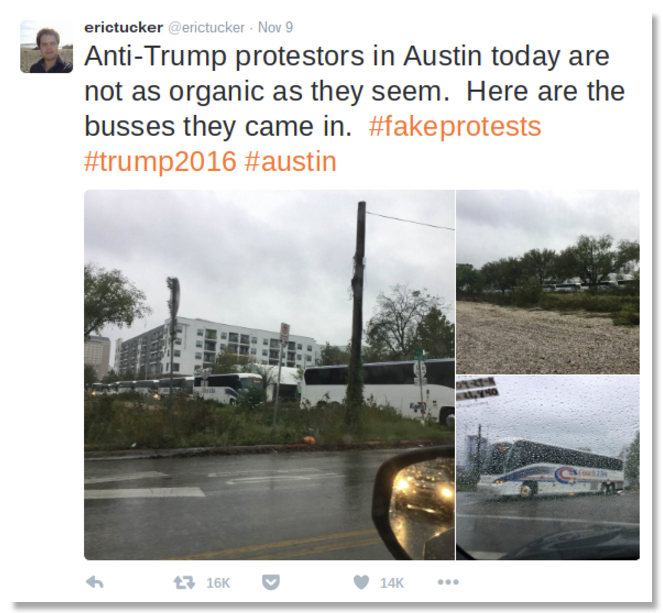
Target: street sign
(469,384)
(285,333)
(420,354)
(476,394)
(419,367)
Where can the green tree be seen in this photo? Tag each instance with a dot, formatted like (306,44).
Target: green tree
(331,355)
(593,259)
(90,376)
(110,299)
(632,464)
(469,280)
(111,377)
(504,274)
(392,332)
(226,362)
(436,335)
(539,263)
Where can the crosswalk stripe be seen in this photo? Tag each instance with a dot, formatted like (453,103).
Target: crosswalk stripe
(157,492)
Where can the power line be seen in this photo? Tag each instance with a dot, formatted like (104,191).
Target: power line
(418,223)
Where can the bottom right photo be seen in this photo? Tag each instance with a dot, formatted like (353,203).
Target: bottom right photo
(547,467)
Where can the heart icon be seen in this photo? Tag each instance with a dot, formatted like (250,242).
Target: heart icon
(361,582)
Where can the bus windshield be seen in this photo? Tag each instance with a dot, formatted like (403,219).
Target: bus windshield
(495,460)
(248,383)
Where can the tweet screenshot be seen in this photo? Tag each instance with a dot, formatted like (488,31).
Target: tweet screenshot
(367,298)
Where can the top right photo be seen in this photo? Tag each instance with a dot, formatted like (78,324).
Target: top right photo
(547,282)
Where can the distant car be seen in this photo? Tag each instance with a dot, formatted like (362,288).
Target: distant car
(426,486)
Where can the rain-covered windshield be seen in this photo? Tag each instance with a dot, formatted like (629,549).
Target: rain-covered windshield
(549,468)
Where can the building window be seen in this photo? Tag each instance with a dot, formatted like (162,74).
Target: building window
(200,331)
(308,358)
(309,348)
(178,353)
(222,346)
(179,329)
(176,367)
(299,357)
(244,339)
(199,356)
(233,337)
(274,342)
(224,335)
(299,346)
(265,341)
(254,340)
(264,352)
(253,351)
(178,341)
(199,344)
(210,335)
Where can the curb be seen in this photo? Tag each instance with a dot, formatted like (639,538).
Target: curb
(145,454)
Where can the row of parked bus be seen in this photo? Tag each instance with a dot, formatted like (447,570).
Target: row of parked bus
(223,388)
(423,390)
(584,287)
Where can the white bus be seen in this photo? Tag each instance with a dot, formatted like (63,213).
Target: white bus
(226,388)
(98,389)
(148,387)
(181,385)
(289,387)
(390,383)
(516,467)
(126,387)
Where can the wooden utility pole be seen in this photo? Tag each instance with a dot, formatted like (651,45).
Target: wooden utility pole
(354,395)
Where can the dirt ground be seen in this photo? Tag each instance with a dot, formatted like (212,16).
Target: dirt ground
(501,340)
(30,56)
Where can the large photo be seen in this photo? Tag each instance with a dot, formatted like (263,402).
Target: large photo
(253,358)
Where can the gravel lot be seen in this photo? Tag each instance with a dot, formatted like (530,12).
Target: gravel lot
(500,340)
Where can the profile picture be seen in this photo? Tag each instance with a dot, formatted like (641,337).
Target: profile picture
(46,47)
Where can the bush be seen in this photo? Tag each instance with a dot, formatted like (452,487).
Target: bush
(528,294)
(628,316)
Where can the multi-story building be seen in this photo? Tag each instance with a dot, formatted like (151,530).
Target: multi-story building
(97,354)
(141,354)
(198,342)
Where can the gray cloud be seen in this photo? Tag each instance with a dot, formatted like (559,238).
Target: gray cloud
(497,224)
(258,258)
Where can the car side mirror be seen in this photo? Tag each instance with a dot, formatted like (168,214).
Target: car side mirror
(414,502)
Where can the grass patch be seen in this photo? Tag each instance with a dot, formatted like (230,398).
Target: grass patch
(118,422)
(621,304)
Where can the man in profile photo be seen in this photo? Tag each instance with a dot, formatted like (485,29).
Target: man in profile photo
(48,41)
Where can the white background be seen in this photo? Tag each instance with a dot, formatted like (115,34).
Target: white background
(583,146)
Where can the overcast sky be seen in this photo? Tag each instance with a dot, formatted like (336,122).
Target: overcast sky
(499,224)
(257,259)
(599,412)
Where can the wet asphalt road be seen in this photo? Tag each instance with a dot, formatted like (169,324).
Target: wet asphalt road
(279,506)
(488,529)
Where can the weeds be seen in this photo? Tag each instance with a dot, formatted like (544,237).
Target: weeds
(622,303)
(114,422)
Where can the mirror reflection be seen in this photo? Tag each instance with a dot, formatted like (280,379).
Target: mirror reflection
(422,510)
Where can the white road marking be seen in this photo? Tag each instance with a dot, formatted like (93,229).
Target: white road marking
(558,519)
(281,478)
(263,471)
(150,474)
(157,492)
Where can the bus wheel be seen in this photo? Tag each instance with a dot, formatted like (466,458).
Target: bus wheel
(604,489)
(447,417)
(528,490)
